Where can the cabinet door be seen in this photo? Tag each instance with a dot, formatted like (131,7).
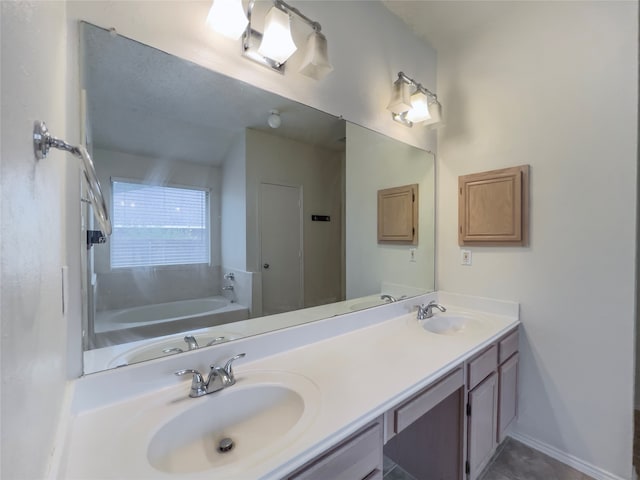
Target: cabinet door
(358,458)
(508,400)
(482,425)
(493,207)
(398,215)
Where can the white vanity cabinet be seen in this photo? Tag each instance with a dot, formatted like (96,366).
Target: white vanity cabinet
(491,400)
(357,458)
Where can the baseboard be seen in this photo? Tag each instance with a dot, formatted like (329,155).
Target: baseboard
(580,465)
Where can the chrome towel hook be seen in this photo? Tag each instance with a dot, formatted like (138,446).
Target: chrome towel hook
(43,141)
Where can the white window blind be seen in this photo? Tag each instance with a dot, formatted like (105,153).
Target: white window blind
(157,225)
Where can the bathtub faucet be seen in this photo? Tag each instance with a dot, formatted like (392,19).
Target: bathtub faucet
(228,287)
(219,378)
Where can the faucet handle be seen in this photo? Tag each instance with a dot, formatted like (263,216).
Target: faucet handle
(228,370)
(215,340)
(198,387)
(173,350)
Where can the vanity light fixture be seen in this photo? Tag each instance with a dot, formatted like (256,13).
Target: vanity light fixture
(316,63)
(227,17)
(275,45)
(411,103)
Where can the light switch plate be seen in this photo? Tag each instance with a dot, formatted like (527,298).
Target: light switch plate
(465,257)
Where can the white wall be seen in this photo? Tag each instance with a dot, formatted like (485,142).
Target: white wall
(556,87)
(234,206)
(375,162)
(34,340)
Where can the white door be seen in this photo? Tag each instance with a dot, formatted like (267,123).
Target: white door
(281,248)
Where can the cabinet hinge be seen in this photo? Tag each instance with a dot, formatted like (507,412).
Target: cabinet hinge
(413,197)
(461,191)
(413,231)
(468,409)
(467,467)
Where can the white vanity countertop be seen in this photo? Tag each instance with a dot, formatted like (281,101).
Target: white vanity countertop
(359,375)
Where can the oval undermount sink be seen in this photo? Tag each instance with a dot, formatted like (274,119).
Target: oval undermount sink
(366,304)
(157,349)
(258,419)
(446,323)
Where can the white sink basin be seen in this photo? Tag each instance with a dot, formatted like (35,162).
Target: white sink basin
(366,304)
(156,349)
(261,416)
(446,323)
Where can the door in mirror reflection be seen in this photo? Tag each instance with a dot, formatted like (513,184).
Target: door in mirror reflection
(281,248)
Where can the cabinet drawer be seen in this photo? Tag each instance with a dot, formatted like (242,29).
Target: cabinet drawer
(481,367)
(414,408)
(508,346)
(356,459)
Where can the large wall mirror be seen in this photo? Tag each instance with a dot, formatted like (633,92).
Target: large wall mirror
(235,211)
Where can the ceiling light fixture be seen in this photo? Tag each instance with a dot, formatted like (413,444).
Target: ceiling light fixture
(409,108)
(275,46)
(274,120)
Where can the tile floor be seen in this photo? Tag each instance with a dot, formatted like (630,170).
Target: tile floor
(513,461)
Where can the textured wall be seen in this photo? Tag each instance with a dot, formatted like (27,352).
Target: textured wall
(33,348)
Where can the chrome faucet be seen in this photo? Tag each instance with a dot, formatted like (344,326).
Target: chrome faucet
(426,311)
(229,276)
(228,287)
(219,378)
(192,343)
(388,298)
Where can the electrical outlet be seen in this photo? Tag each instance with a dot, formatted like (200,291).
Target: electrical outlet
(412,255)
(465,257)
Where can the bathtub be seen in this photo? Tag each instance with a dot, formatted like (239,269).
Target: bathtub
(113,327)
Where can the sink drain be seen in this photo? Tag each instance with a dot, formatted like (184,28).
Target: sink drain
(225,445)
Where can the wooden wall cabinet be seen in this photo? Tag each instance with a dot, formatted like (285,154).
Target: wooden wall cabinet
(493,207)
(398,215)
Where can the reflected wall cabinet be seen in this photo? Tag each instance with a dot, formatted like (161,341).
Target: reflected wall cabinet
(398,215)
(493,207)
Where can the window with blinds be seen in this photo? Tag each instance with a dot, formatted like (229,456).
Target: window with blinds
(158,225)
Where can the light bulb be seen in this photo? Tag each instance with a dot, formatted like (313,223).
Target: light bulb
(435,110)
(419,108)
(316,59)
(227,17)
(277,43)
(400,97)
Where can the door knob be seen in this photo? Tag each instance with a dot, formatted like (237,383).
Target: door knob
(266,266)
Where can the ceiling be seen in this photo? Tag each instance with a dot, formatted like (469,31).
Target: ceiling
(147,102)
